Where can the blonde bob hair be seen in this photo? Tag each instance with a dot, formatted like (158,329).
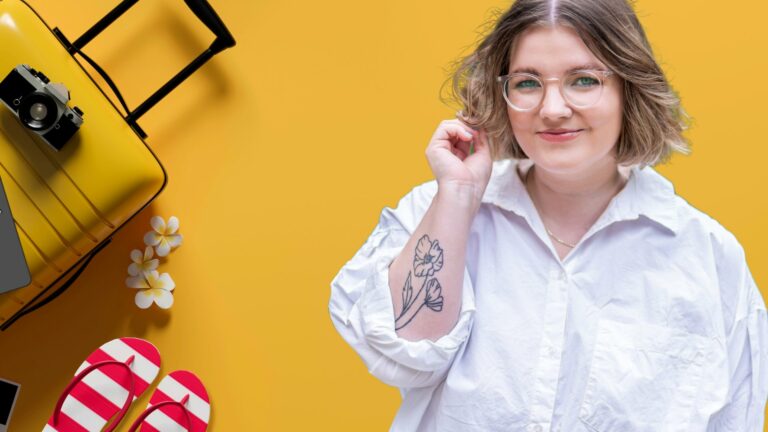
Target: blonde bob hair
(653,120)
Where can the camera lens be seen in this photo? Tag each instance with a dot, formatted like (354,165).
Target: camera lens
(38,111)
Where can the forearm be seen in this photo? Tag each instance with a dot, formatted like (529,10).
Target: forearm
(426,279)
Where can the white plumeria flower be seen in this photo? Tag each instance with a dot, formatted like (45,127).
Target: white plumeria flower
(142,263)
(164,237)
(153,287)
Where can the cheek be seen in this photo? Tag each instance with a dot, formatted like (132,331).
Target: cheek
(604,121)
(607,120)
(614,109)
(521,123)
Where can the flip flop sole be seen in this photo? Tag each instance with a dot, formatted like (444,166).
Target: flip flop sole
(175,387)
(104,391)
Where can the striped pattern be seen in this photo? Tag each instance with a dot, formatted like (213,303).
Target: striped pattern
(175,386)
(103,392)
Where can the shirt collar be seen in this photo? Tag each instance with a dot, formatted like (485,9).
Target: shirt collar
(647,193)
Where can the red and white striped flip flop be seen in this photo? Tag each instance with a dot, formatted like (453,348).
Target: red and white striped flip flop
(180,403)
(105,385)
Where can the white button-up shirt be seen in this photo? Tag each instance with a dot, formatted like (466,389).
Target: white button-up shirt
(652,322)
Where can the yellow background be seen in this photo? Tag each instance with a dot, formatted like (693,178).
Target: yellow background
(282,152)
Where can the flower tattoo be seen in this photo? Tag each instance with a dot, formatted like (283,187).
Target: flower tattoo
(427,261)
(429,257)
(434,298)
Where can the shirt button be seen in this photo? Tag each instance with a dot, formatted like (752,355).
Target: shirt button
(563,277)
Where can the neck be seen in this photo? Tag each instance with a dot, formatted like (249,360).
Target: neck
(571,203)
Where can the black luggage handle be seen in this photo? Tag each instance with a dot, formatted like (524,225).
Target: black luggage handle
(201,8)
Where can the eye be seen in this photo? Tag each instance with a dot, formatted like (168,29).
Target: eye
(585,81)
(526,84)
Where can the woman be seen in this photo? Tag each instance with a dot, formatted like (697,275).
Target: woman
(563,286)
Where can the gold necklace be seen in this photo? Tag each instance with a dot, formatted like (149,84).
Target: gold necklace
(554,237)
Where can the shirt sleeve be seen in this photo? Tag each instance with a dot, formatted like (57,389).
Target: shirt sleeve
(747,346)
(363,313)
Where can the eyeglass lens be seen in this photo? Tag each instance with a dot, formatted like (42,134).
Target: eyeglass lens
(581,89)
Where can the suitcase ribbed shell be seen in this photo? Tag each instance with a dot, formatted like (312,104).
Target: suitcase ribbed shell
(65,203)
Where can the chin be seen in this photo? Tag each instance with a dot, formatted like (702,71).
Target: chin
(562,161)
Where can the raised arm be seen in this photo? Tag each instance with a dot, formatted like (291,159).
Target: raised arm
(426,278)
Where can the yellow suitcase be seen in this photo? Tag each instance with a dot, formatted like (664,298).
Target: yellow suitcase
(68,203)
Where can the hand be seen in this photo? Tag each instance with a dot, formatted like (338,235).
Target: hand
(450,161)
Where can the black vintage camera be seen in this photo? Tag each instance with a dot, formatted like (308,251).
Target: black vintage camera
(41,105)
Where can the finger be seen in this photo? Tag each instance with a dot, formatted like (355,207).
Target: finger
(454,130)
(475,132)
(465,146)
(459,121)
(459,153)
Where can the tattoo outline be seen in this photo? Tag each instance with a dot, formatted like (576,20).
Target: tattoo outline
(427,261)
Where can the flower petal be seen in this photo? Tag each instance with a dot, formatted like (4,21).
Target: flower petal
(136,256)
(134,269)
(436,304)
(148,253)
(437,255)
(166,283)
(163,249)
(150,265)
(435,248)
(173,225)
(420,268)
(143,299)
(174,240)
(152,238)
(139,282)
(438,262)
(158,224)
(434,289)
(422,248)
(153,278)
(164,299)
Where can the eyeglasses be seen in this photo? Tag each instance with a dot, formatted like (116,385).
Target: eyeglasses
(581,89)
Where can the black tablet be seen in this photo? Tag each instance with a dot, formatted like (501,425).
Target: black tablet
(9,392)
(14,272)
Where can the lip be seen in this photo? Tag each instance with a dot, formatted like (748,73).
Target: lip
(560,135)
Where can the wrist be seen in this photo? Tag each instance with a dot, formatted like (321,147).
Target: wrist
(465,195)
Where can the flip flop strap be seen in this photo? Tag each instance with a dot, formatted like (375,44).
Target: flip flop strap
(159,405)
(79,377)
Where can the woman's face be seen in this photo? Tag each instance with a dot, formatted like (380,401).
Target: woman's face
(551,52)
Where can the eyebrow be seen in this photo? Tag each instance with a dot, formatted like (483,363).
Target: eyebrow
(586,66)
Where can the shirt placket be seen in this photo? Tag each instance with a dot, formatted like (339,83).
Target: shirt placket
(544,388)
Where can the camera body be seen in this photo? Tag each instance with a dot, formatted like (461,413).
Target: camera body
(40,105)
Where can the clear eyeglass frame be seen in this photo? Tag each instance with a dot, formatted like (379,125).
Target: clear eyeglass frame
(600,75)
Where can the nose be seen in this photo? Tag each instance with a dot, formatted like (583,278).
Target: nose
(554,105)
